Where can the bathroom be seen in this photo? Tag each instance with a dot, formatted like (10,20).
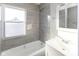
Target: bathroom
(39,29)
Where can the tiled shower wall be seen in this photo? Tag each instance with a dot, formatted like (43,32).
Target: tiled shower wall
(44,25)
(32,11)
(48,21)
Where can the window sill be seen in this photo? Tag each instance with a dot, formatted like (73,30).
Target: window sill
(68,30)
(14,37)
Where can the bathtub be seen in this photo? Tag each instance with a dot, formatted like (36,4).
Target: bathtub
(35,48)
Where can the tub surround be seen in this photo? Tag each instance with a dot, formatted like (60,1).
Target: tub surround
(29,49)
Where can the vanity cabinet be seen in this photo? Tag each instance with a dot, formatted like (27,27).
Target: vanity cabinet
(52,52)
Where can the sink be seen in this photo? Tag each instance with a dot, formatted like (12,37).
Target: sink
(59,45)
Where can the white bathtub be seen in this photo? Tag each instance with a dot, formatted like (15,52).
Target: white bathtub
(35,48)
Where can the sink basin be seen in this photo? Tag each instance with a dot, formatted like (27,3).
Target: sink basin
(59,45)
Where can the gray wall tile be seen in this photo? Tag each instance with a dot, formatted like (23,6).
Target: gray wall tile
(31,35)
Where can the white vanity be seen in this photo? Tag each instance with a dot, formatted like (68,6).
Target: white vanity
(56,47)
(65,43)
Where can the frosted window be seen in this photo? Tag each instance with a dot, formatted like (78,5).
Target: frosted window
(14,22)
(62,18)
(14,14)
(68,18)
(72,17)
(14,29)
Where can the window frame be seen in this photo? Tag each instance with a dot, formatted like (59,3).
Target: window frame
(65,7)
(3,6)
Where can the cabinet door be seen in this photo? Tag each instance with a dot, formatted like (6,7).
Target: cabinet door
(52,52)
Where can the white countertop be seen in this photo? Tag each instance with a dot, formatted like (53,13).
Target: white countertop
(66,49)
